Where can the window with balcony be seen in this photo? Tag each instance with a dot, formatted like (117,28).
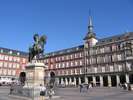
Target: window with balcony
(10,58)
(103,69)
(13,72)
(111,68)
(0,71)
(9,72)
(17,66)
(5,71)
(6,57)
(119,67)
(1,57)
(5,64)
(1,64)
(63,65)
(67,64)
(95,69)
(76,63)
(81,63)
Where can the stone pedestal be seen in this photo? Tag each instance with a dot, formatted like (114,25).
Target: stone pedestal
(35,74)
(34,77)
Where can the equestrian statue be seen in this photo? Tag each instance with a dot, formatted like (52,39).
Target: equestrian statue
(37,48)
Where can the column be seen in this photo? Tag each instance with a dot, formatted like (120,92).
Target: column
(70,81)
(75,81)
(94,80)
(127,78)
(101,80)
(62,82)
(117,80)
(109,80)
(66,81)
(86,80)
(57,81)
(79,80)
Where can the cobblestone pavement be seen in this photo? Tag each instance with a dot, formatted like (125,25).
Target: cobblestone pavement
(95,94)
(74,94)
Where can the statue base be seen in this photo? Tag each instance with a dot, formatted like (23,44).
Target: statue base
(35,74)
(34,77)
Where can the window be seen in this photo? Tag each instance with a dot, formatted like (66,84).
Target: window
(63,65)
(6,57)
(95,69)
(129,66)
(0,71)
(1,50)
(5,64)
(119,67)
(9,72)
(71,63)
(14,65)
(103,69)
(59,65)
(18,53)
(71,56)
(1,57)
(18,59)
(13,72)
(62,57)
(1,64)
(66,72)
(10,58)
(111,69)
(4,71)
(67,64)
(81,63)
(76,55)
(80,54)
(76,63)
(75,71)
(119,57)
(24,60)
(10,52)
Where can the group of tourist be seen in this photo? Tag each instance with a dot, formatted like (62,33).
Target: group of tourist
(125,86)
(44,91)
(84,87)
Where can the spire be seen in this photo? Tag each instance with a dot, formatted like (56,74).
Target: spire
(90,33)
(90,26)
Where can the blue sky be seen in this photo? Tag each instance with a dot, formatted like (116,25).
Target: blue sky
(63,21)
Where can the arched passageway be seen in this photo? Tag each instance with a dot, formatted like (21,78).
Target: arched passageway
(22,77)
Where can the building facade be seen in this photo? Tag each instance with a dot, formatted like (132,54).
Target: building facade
(103,62)
(12,62)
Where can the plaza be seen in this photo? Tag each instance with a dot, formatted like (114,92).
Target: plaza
(96,93)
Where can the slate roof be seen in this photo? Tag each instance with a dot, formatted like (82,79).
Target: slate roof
(13,52)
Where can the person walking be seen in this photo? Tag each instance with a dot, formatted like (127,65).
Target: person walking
(81,87)
(50,93)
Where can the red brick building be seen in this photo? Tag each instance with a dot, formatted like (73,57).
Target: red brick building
(12,62)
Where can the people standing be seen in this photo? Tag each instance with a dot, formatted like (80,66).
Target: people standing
(11,88)
(42,92)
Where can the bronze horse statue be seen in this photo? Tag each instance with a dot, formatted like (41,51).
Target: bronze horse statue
(37,48)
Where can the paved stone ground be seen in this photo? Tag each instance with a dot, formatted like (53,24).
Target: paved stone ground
(95,94)
(74,94)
